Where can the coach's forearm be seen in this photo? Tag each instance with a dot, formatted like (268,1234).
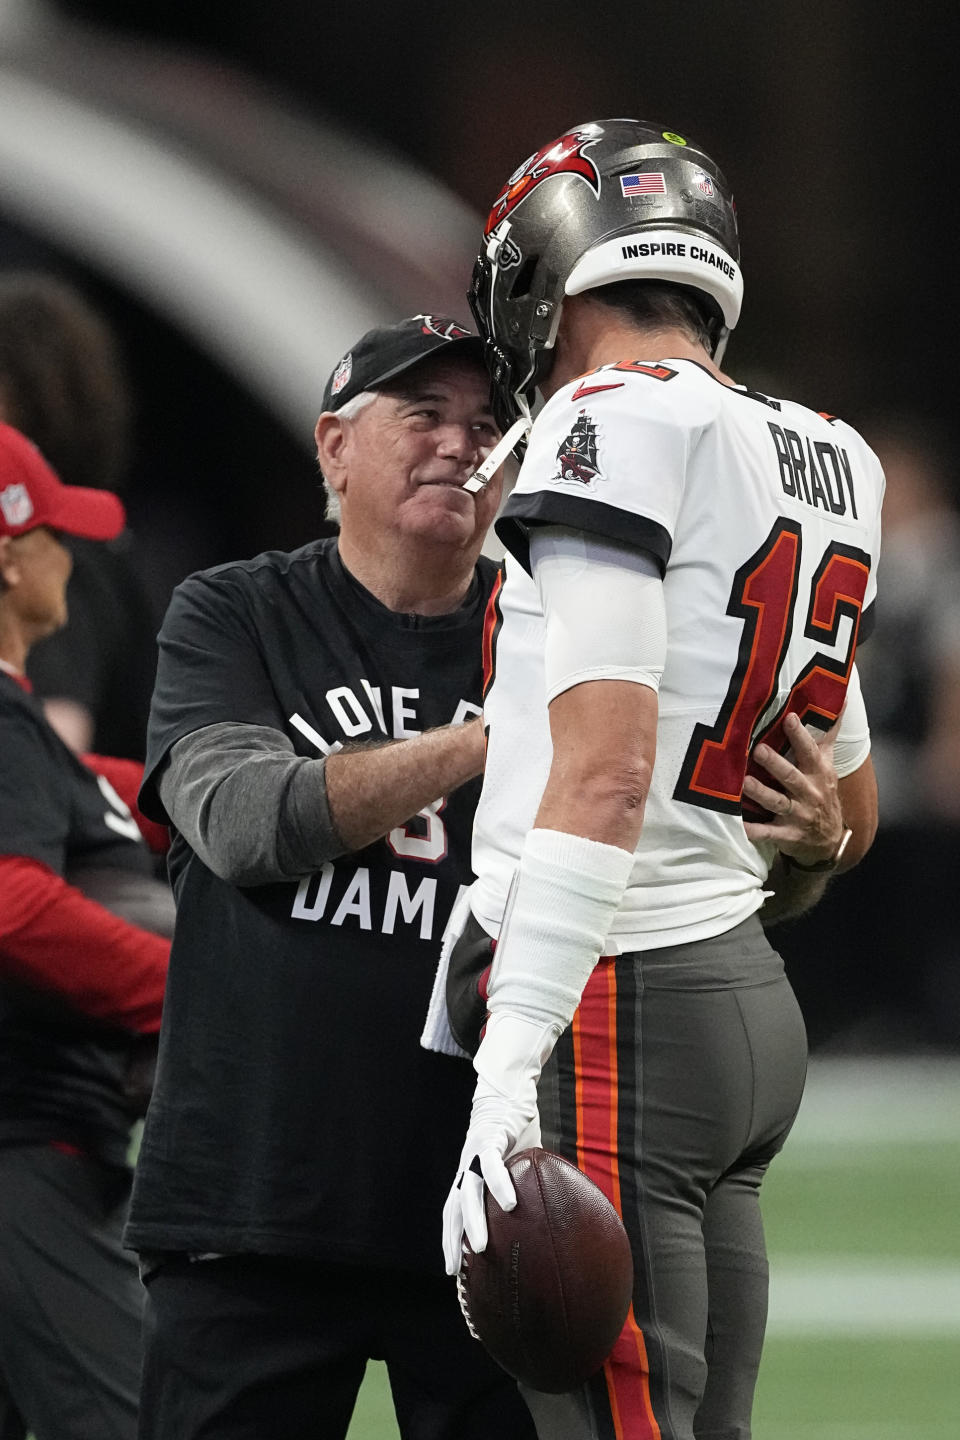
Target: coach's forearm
(373,789)
(255,812)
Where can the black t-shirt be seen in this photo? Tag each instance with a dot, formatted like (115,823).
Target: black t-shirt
(294,1111)
(61,1074)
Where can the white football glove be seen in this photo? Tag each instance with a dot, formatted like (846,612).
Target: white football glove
(504,1119)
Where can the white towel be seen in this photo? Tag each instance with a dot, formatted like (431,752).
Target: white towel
(437,1034)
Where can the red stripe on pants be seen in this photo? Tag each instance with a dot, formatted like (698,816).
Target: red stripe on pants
(626,1371)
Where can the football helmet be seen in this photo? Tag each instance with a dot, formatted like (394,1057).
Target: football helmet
(610,200)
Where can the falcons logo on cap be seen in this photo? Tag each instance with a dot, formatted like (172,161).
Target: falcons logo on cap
(440,325)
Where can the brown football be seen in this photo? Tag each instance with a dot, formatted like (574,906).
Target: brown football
(549,1294)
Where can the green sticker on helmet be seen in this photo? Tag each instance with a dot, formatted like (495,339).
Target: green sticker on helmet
(673,138)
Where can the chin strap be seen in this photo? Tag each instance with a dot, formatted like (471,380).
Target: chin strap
(482,476)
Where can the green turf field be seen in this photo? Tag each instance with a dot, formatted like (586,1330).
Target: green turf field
(863,1227)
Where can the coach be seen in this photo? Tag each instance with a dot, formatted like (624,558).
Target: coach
(314,744)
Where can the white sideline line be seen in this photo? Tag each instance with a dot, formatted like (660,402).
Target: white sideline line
(856,1430)
(836,1297)
(879,1102)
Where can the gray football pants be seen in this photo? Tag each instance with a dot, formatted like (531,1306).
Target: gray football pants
(673,1089)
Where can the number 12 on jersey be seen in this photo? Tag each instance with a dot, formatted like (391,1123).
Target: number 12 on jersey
(764,597)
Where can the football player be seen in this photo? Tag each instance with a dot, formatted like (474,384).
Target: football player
(691,566)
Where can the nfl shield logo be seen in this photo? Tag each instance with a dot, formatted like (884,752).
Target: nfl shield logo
(342,374)
(704,183)
(16,505)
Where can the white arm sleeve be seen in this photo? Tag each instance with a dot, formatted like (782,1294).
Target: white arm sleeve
(852,745)
(604,608)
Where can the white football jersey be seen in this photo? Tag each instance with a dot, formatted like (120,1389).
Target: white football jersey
(765,517)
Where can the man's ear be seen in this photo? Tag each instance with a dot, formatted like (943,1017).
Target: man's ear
(331,438)
(9,565)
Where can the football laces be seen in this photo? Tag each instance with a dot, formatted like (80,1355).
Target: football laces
(462,1297)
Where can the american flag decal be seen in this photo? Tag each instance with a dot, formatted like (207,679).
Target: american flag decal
(650,182)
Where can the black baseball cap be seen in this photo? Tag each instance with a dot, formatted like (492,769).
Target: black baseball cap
(383,354)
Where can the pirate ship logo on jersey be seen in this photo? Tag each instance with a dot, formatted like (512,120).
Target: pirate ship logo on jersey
(577,455)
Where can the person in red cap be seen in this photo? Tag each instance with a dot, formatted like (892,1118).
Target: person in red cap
(64,384)
(81,988)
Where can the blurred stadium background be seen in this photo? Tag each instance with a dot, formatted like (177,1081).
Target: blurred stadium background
(241,197)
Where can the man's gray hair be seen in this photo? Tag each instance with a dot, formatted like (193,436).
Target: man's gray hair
(346,412)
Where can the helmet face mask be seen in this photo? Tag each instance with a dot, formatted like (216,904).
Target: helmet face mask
(519,355)
(609,201)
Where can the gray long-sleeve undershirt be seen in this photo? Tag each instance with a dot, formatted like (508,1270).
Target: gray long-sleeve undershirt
(252,810)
